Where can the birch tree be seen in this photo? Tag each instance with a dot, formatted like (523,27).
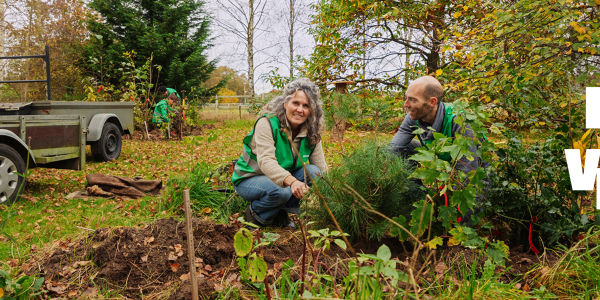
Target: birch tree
(245,20)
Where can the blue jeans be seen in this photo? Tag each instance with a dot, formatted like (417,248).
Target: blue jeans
(267,198)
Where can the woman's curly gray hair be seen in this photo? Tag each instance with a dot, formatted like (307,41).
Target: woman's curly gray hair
(315,121)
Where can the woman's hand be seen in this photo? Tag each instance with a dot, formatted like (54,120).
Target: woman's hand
(298,189)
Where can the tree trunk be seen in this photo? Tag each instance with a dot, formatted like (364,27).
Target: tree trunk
(433,59)
(291,39)
(339,126)
(250,48)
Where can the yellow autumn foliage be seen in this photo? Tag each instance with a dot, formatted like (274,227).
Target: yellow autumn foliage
(227,92)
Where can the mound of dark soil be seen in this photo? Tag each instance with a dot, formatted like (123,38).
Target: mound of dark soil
(137,262)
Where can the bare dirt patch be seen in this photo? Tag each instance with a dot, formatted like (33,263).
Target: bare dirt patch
(156,135)
(153,259)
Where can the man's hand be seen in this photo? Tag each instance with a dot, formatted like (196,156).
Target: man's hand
(299,189)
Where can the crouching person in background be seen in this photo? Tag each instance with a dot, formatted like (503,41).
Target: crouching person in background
(269,174)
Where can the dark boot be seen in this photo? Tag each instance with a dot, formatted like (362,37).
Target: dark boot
(249,216)
(283,219)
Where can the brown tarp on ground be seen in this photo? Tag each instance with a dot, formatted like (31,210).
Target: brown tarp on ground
(124,186)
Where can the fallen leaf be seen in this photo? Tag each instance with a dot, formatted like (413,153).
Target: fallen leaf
(148,240)
(90,293)
(440,268)
(277,266)
(525,260)
(81,263)
(14,262)
(174,267)
(57,289)
(185,277)
(208,268)
(145,258)
(207,210)
(33,248)
(66,271)
(218,287)
(518,286)
(178,250)
(231,278)
(172,256)
(526,288)
(72,293)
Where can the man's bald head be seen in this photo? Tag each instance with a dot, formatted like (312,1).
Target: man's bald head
(423,97)
(429,87)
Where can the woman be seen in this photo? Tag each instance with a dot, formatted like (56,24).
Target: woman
(268,174)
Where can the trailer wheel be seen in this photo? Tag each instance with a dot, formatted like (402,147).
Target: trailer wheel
(11,165)
(108,147)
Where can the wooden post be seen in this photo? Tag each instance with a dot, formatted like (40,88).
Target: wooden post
(147,135)
(217,105)
(240,108)
(190,240)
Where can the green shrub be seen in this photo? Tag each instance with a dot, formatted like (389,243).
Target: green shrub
(533,181)
(208,189)
(380,178)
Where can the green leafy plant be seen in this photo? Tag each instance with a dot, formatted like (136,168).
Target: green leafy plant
(532,185)
(253,266)
(23,288)
(323,238)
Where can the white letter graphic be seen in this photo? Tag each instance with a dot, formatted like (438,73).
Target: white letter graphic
(592,107)
(583,180)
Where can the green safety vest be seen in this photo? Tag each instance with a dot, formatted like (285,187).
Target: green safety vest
(247,165)
(161,112)
(446,130)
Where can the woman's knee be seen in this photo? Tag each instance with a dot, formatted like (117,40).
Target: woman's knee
(313,170)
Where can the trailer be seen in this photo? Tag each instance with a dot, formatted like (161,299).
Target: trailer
(53,134)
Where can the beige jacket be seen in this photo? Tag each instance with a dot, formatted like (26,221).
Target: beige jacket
(264,146)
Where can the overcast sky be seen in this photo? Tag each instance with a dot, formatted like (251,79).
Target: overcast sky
(271,40)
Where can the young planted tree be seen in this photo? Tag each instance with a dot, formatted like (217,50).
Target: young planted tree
(174,32)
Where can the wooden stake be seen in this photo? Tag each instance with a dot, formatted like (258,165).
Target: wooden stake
(190,239)
(147,135)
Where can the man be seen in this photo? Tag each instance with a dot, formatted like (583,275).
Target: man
(423,100)
(162,109)
(165,91)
